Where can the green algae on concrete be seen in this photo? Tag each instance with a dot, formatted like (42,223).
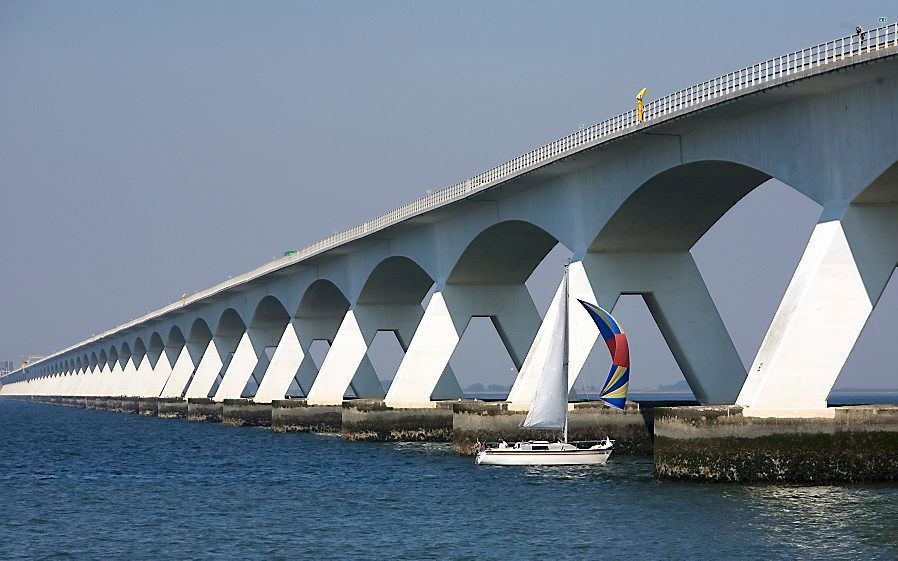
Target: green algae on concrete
(245,413)
(148,406)
(171,408)
(203,410)
(130,405)
(370,420)
(295,415)
(719,444)
(492,421)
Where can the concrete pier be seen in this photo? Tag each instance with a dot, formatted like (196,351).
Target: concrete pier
(129,405)
(171,408)
(492,421)
(110,403)
(79,402)
(855,444)
(245,413)
(370,420)
(148,406)
(203,409)
(295,415)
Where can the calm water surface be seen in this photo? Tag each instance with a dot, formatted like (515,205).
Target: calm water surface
(78,484)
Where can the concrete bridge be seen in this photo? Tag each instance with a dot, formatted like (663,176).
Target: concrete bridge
(628,197)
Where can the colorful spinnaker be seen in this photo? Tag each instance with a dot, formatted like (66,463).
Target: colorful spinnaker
(614,392)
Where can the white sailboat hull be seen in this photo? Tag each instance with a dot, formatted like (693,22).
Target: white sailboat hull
(539,454)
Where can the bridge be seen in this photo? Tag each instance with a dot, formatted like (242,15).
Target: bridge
(628,197)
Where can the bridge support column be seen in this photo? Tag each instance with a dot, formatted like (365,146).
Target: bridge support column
(283,368)
(347,364)
(142,376)
(839,279)
(679,301)
(112,381)
(180,374)
(159,375)
(240,368)
(129,371)
(250,363)
(206,372)
(424,373)
(84,379)
(95,384)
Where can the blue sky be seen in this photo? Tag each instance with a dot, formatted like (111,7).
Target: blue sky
(153,148)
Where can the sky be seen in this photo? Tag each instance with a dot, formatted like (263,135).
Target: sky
(153,148)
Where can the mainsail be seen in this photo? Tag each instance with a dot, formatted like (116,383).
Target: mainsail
(614,392)
(549,409)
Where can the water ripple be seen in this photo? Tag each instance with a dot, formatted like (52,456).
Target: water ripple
(98,485)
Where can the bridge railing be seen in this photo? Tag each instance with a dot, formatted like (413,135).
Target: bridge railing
(753,77)
(764,72)
(773,69)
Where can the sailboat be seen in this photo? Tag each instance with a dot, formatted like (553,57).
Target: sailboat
(550,403)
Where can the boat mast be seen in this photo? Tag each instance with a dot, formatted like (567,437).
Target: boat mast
(564,303)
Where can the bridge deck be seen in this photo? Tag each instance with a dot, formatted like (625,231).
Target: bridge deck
(765,75)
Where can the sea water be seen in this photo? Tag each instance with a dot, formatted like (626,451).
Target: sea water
(80,484)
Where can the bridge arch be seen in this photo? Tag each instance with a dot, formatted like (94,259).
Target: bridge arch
(124,353)
(230,324)
(396,280)
(269,311)
(322,299)
(674,208)
(504,253)
(103,358)
(199,334)
(138,351)
(155,347)
(175,341)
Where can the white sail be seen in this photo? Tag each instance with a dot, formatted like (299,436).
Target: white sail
(549,409)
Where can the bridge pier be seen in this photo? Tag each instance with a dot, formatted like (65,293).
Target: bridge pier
(203,410)
(171,408)
(289,357)
(719,443)
(148,406)
(180,374)
(424,373)
(840,277)
(129,405)
(208,369)
(371,420)
(245,413)
(678,299)
(296,415)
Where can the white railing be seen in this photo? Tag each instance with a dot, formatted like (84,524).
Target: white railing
(752,78)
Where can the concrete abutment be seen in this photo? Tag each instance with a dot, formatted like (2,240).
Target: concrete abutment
(245,413)
(721,444)
(171,408)
(203,410)
(370,420)
(296,415)
(148,406)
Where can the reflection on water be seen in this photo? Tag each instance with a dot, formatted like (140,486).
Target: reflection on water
(90,484)
(855,517)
